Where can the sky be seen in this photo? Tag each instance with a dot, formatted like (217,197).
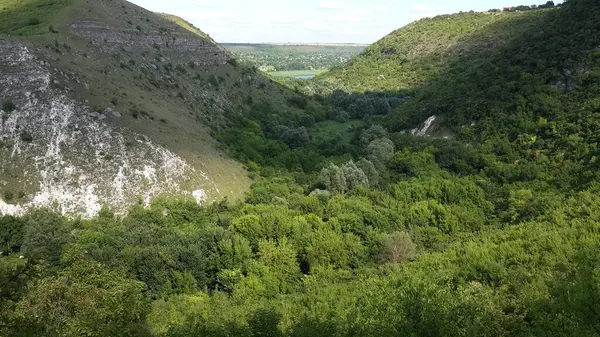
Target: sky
(311,21)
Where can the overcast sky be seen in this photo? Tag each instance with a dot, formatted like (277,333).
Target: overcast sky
(351,21)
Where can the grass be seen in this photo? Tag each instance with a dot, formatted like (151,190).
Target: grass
(181,22)
(295,73)
(328,129)
(178,113)
(31,17)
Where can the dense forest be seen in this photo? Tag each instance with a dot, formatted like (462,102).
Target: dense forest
(353,227)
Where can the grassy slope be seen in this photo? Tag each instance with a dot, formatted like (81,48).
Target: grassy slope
(419,52)
(469,66)
(183,23)
(31,17)
(180,109)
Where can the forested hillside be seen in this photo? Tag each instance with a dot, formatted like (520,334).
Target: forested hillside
(353,227)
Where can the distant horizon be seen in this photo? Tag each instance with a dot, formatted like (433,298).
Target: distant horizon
(320,21)
(304,43)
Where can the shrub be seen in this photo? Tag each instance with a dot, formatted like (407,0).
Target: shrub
(212,79)
(33,22)
(26,136)
(8,106)
(9,195)
(298,101)
(397,247)
(233,62)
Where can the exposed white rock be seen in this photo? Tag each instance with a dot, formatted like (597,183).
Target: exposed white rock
(199,195)
(422,131)
(10,209)
(76,162)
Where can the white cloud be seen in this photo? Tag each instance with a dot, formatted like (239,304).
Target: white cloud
(380,8)
(332,5)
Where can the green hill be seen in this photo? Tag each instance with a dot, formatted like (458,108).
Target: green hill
(106,96)
(484,224)
(476,66)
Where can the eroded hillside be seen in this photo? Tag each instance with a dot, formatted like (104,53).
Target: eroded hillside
(111,104)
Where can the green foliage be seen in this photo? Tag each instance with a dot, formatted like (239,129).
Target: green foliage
(85,299)
(397,247)
(11,234)
(30,17)
(8,106)
(352,229)
(44,235)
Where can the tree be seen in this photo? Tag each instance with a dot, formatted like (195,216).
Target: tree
(354,175)
(280,258)
(397,247)
(380,150)
(85,299)
(334,179)
(370,171)
(11,233)
(45,235)
(374,132)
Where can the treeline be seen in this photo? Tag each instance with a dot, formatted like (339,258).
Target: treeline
(549,4)
(351,227)
(399,246)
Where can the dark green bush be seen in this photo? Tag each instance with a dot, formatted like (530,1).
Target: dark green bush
(8,106)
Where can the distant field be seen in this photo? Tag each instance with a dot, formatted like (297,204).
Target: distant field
(294,73)
(276,58)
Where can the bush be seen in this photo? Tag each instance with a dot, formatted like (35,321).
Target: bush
(33,22)
(234,62)
(297,101)
(181,69)
(26,137)
(9,195)
(397,247)
(8,106)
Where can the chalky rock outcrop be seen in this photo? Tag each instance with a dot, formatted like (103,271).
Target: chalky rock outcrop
(58,148)
(64,145)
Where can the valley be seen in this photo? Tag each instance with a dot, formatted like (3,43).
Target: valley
(292,60)
(442,181)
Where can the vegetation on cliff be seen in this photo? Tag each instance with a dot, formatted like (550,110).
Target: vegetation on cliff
(353,227)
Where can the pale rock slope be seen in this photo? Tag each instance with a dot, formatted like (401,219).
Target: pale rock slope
(118,106)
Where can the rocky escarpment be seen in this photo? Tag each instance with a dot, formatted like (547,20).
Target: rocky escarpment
(56,152)
(109,39)
(115,104)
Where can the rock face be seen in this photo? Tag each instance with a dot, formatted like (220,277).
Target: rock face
(422,130)
(109,40)
(116,105)
(74,161)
